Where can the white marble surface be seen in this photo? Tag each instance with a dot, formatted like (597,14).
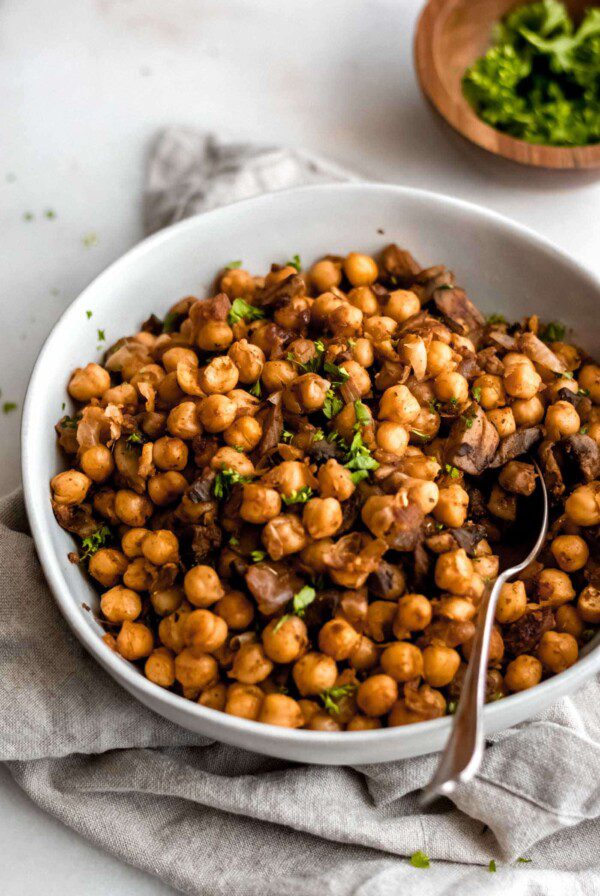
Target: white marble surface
(85,85)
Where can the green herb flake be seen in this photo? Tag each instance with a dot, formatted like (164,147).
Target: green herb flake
(451,707)
(358,476)
(89,240)
(585,392)
(280,622)
(567,375)
(298,497)
(227,478)
(256,389)
(584,430)
(69,422)
(362,413)
(28,216)
(419,860)
(88,314)
(50,214)
(233,266)
(135,438)
(468,420)
(419,434)
(524,861)
(587,634)
(476,392)
(241,310)
(101,336)
(234,542)
(287,436)
(331,697)
(94,542)
(170,322)
(492,866)
(9,406)
(434,405)
(496,319)
(258,556)
(453,472)
(303,599)
(294,262)
(332,405)
(339,373)
(454,402)
(63,406)
(553,332)
(318,436)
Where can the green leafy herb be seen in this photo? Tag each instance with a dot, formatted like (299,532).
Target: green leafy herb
(294,262)
(553,332)
(256,389)
(335,371)
(539,80)
(453,472)
(584,430)
(170,322)
(454,402)
(358,476)
(298,497)
(468,420)
(233,265)
(419,860)
(303,599)
(63,406)
(94,542)
(241,310)
(439,527)
(88,314)
(89,240)
(101,336)
(476,392)
(492,866)
(587,634)
(362,414)
(135,438)
(359,456)
(238,448)
(287,436)
(318,435)
(524,861)
(583,391)
(258,556)
(280,622)
(70,422)
(567,375)
(225,479)
(234,542)
(332,696)
(9,406)
(434,405)
(419,434)
(50,214)
(496,319)
(313,364)
(28,216)
(333,404)
(452,707)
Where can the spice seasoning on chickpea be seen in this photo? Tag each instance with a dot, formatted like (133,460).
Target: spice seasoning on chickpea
(292,495)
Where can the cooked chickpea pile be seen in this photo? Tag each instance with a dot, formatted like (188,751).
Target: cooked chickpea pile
(292,495)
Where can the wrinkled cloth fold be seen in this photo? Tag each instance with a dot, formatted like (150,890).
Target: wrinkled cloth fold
(212,819)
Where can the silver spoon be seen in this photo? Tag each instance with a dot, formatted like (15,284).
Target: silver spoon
(463,752)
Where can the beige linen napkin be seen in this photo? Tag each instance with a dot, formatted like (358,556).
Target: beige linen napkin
(213,820)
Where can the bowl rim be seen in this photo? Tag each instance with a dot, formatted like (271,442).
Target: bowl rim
(465,121)
(129,676)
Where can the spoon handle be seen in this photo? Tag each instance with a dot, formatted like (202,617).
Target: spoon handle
(464,749)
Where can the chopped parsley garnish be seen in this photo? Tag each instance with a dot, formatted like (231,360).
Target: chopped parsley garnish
(241,310)
(492,866)
(287,436)
(476,392)
(419,434)
(89,240)
(313,364)
(234,542)
(318,435)
(9,406)
(468,420)
(170,322)
(233,265)
(28,216)
(135,438)
(524,861)
(303,599)
(294,262)
(255,389)
(94,542)
(358,476)
(225,479)
(50,214)
(419,860)
(362,414)
(452,707)
(332,405)
(584,430)
(434,405)
(101,336)
(298,497)
(454,402)
(583,392)
(496,319)
(88,314)
(360,456)
(553,332)
(331,697)
(338,372)
(238,448)
(70,422)
(567,375)
(258,556)
(587,634)
(453,472)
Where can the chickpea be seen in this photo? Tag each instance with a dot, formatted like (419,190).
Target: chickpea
(589,378)
(235,608)
(214,696)
(491,390)
(402,304)
(107,566)
(131,543)
(202,586)
(135,640)
(554,587)
(120,604)
(454,572)
(365,655)
(361,270)
(131,508)
(237,283)
(451,386)
(139,574)
(97,463)
(561,420)
(364,298)
(583,505)
(380,619)
(89,382)
(285,639)
(306,393)
(244,701)
(588,605)
(362,352)
(338,639)
(325,274)
(322,721)
(278,709)
(249,360)
(523,672)
(313,673)
(214,336)
(170,454)
(440,665)
(323,306)
(245,433)
(183,421)
(196,669)
(345,320)
(459,609)
(178,355)
(413,614)
(167,600)
(377,695)
(557,651)
(277,375)
(160,667)
(570,552)
(204,630)
(452,506)
(359,377)
(160,547)
(528,412)
(402,661)
(439,358)
(259,503)
(363,723)
(503,420)
(217,412)
(335,481)
(392,438)
(512,602)
(502,504)
(170,629)
(400,714)
(229,459)
(283,535)
(165,488)
(322,517)
(569,620)
(219,376)
(250,664)
(399,405)
(70,487)
(522,380)
(487,566)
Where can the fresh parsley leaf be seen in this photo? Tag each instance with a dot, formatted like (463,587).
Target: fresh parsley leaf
(524,861)
(233,265)
(303,599)
(362,414)
(476,392)
(50,214)
(419,860)
(241,310)
(453,472)
(280,622)
(294,262)
(70,422)
(332,405)
(553,332)
(258,556)
(92,543)
(358,476)
(170,322)
(434,405)
(468,420)
(565,376)
(451,707)
(584,430)
(587,634)
(454,402)
(135,438)
(298,497)
(496,319)
(9,406)
(492,866)
(419,434)
(318,435)
(335,371)
(89,240)
(28,216)
(225,479)
(88,314)
(256,389)
(583,391)
(287,436)
(234,542)
(331,697)
(101,336)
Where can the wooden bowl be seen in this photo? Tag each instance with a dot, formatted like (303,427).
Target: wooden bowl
(450,36)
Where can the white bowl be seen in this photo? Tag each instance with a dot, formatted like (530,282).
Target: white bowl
(505,269)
